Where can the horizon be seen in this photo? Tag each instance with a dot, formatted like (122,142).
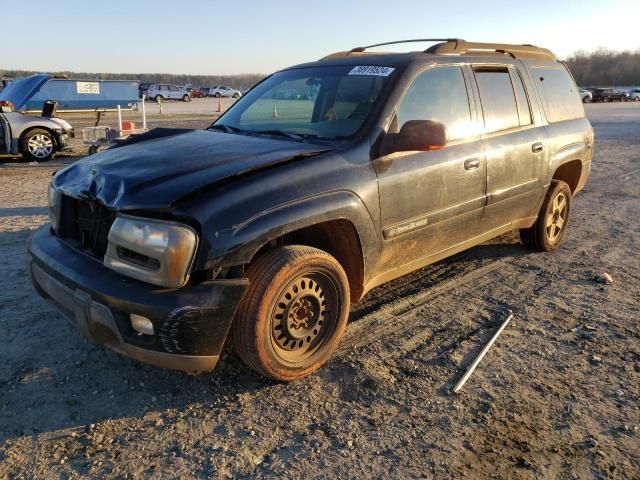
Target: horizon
(203,39)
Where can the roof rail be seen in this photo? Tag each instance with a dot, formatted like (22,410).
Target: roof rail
(362,49)
(461,47)
(457,46)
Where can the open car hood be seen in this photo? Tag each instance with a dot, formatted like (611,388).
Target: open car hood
(155,172)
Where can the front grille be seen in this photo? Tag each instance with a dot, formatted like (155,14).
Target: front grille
(85,224)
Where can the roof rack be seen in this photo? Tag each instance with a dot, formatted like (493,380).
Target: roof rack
(362,49)
(461,47)
(457,46)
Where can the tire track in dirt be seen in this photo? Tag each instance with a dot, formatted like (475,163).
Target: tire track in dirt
(375,325)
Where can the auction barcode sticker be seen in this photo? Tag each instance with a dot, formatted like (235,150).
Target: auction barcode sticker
(372,70)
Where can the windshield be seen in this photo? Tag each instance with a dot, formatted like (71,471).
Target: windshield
(322,102)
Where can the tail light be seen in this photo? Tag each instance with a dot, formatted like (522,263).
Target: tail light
(6,106)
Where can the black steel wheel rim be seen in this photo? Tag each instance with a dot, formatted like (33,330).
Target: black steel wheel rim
(305,317)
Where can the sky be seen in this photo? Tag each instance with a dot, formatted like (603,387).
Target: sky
(247,36)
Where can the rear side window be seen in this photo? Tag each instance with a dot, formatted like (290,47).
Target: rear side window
(438,94)
(559,93)
(499,104)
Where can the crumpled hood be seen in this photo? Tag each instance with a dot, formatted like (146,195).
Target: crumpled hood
(155,173)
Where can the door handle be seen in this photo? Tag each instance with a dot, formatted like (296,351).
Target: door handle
(471,163)
(537,147)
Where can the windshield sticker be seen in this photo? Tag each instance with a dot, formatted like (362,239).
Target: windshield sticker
(374,70)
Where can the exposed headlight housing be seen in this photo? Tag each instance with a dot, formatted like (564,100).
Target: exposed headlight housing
(55,200)
(154,251)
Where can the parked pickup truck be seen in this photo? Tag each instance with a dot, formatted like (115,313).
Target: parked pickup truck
(267,225)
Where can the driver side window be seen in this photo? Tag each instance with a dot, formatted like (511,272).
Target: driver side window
(438,94)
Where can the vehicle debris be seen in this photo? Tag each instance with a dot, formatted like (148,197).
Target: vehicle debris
(479,358)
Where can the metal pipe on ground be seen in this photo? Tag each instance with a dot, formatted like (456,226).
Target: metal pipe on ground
(479,358)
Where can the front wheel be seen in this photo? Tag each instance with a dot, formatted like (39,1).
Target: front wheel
(217,94)
(37,144)
(546,234)
(293,314)
(236,95)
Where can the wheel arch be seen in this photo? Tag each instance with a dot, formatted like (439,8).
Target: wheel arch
(29,128)
(569,172)
(336,222)
(339,238)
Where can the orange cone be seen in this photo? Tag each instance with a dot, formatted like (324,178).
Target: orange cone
(219,104)
(275,112)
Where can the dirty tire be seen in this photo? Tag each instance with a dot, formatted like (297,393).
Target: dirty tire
(547,233)
(37,144)
(292,316)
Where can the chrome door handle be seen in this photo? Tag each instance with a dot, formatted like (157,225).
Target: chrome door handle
(537,147)
(471,163)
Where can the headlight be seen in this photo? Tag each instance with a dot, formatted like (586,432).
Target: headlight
(154,251)
(55,199)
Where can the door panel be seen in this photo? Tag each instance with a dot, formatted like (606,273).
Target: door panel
(429,201)
(514,175)
(432,200)
(515,146)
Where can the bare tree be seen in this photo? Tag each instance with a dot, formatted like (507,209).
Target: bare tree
(605,68)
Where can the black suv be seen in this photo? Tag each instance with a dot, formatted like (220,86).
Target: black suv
(608,95)
(269,223)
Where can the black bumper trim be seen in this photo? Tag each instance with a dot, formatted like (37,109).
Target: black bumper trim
(191,324)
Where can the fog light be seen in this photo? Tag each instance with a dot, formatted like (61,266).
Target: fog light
(141,324)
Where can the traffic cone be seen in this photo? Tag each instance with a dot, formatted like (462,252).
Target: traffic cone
(219,105)
(275,112)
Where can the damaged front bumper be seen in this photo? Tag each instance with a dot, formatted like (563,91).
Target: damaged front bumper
(190,324)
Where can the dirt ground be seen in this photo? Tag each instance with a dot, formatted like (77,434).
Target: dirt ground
(558,396)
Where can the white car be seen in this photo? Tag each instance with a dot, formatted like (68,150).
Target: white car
(586,95)
(634,94)
(164,91)
(224,91)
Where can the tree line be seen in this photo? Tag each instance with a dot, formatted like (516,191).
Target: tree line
(242,81)
(605,68)
(602,67)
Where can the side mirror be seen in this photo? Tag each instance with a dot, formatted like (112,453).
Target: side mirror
(420,135)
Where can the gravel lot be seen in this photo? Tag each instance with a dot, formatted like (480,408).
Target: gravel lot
(558,396)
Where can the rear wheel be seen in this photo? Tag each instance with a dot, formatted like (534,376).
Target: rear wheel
(293,314)
(37,144)
(546,234)
(217,94)
(186,98)
(158,98)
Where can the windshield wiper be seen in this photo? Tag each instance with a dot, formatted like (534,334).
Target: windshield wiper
(226,128)
(280,133)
